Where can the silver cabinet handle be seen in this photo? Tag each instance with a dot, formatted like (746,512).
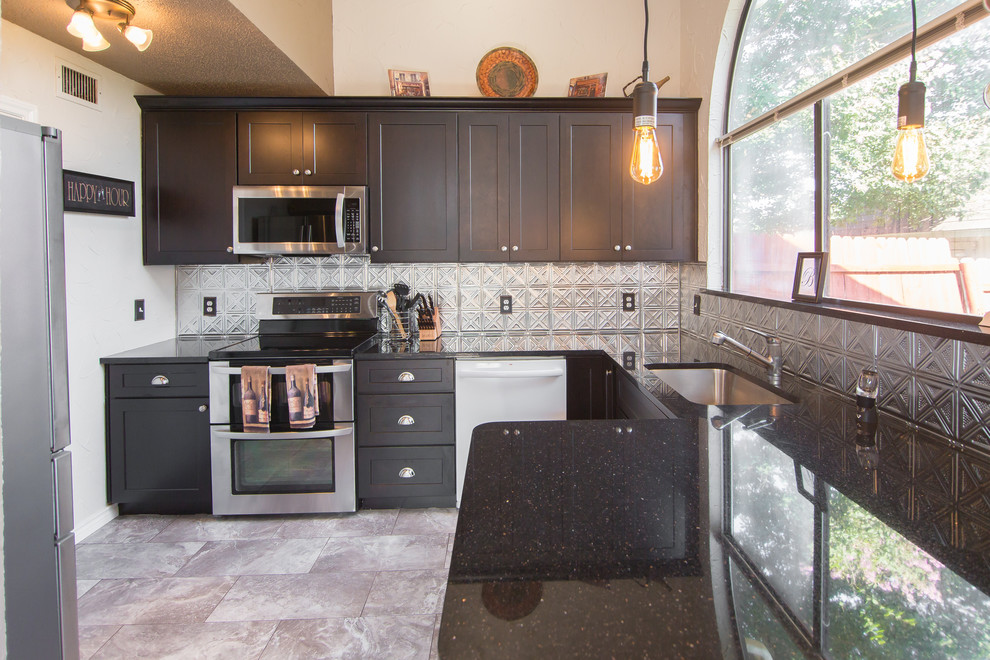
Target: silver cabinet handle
(295,172)
(230,248)
(504,248)
(159,381)
(374,248)
(628,247)
(407,377)
(406,420)
(617,248)
(407,473)
(515,248)
(307,172)
(203,408)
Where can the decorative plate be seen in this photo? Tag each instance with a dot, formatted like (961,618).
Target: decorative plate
(507,72)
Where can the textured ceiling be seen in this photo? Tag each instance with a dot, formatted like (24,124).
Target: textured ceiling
(200,47)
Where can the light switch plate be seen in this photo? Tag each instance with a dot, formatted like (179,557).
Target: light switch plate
(697,304)
(209,306)
(505,304)
(629,360)
(139,309)
(628,302)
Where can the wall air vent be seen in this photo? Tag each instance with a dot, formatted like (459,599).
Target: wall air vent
(75,84)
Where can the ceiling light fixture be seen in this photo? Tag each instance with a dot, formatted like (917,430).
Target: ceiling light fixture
(910,154)
(646,165)
(83,25)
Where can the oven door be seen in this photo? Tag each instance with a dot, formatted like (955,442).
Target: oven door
(334,381)
(283,472)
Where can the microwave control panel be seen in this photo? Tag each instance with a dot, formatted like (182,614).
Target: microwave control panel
(352,220)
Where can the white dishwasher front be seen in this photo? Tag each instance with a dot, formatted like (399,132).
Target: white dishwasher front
(505,390)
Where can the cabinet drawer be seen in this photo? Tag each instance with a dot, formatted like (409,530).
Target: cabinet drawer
(404,376)
(139,380)
(406,471)
(405,419)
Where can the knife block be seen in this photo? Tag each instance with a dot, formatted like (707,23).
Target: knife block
(429,325)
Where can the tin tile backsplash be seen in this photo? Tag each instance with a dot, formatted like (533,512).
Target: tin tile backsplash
(942,385)
(554,306)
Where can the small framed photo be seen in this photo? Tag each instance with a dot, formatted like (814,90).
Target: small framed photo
(409,83)
(809,276)
(588,86)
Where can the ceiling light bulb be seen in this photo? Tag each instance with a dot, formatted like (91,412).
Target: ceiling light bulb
(910,154)
(81,24)
(646,165)
(140,37)
(95,42)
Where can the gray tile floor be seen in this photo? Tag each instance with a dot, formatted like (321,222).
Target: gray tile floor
(364,585)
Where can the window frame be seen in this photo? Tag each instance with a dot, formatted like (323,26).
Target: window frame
(961,17)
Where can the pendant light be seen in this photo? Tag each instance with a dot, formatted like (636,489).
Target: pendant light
(910,154)
(646,165)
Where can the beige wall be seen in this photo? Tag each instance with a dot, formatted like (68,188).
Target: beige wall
(448,39)
(104,270)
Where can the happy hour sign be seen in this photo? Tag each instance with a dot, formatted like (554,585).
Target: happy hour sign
(91,193)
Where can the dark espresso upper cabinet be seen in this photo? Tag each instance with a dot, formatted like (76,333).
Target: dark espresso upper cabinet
(591,186)
(509,186)
(302,148)
(413,186)
(659,221)
(189,171)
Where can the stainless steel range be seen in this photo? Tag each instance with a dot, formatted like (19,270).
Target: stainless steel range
(287,470)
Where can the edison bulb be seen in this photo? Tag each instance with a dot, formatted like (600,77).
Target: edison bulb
(646,166)
(910,154)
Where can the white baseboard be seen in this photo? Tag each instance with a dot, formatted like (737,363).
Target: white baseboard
(94,522)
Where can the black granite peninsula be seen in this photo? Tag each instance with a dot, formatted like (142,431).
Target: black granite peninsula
(783,531)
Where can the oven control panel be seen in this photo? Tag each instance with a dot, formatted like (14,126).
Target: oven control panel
(313,305)
(338,304)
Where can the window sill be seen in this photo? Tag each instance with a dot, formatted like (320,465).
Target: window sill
(949,327)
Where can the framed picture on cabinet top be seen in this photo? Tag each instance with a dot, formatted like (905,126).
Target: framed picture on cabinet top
(588,86)
(409,83)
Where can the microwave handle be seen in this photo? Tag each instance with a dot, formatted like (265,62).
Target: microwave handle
(338,216)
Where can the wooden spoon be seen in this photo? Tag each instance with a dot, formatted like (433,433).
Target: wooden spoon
(391,300)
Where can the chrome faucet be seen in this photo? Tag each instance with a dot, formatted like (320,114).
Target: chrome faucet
(773,360)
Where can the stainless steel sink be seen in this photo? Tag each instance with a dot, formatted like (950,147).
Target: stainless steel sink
(717,385)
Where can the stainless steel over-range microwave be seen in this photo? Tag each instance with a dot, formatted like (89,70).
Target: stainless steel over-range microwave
(300,219)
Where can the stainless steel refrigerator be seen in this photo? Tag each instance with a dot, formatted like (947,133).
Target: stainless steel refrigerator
(38,543)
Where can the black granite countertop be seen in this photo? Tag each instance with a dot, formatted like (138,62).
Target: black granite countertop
(789,531)
(178,349)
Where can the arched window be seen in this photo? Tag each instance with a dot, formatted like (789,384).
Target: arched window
(810,134)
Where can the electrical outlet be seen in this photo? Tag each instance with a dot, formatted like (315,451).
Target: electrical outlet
(629,360)
(139,310)
(628,302)
(505,304)
(209,306)
(697,304)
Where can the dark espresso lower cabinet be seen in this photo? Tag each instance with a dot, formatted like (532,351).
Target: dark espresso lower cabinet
(158,444)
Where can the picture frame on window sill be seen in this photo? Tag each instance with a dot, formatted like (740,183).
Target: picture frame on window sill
(809,276)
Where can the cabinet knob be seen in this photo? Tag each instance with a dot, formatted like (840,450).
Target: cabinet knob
(159,381)
(617,248)
(628,247)
(407,473)
(515,248)
(203,408)
(295,172)
(374,248)
(307,172)
(407,377)
(504,248)
(406,420)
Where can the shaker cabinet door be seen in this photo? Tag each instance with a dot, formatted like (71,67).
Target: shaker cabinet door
(413,186)
(190,161)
